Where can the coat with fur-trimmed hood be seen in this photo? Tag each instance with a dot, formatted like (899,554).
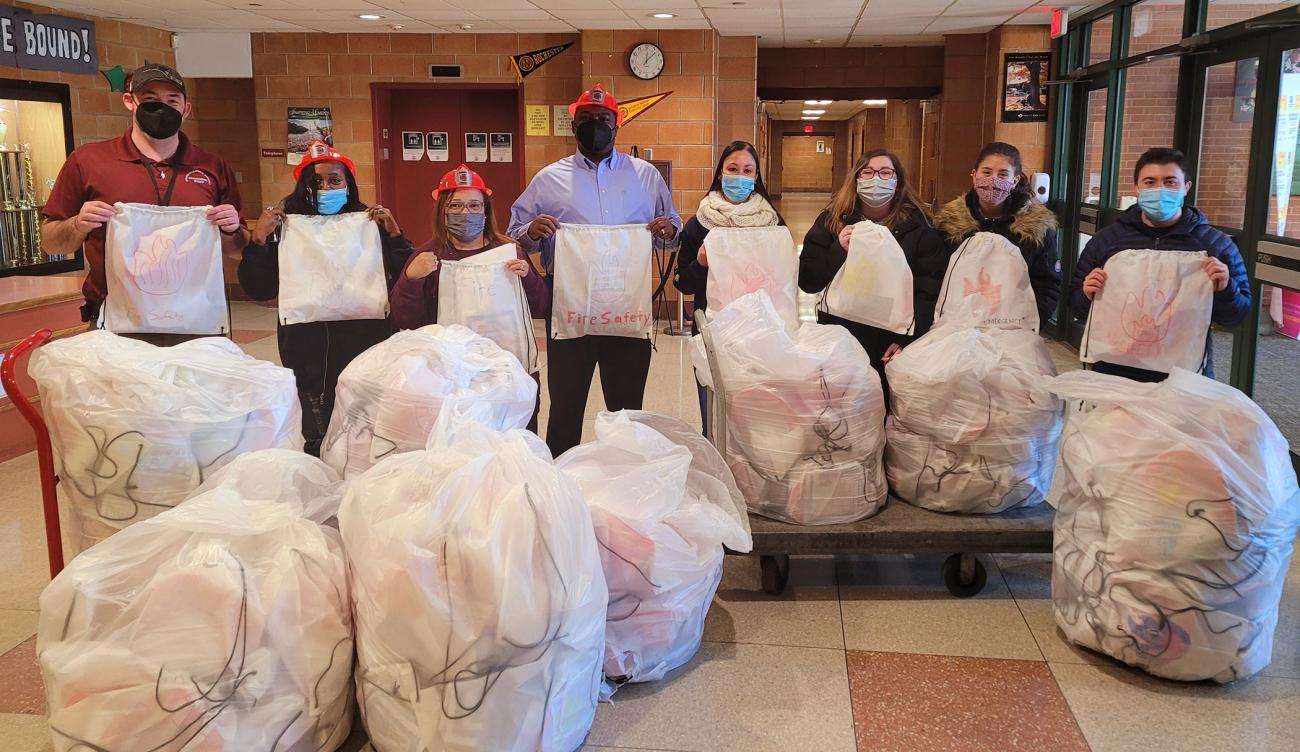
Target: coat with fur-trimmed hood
(1026,223)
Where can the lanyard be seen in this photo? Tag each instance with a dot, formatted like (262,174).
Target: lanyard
(164,199)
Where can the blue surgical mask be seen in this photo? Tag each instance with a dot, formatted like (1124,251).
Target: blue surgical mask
(331,201)
(737,187)
(1160,204)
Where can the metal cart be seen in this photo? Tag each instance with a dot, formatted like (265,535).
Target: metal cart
(900,528)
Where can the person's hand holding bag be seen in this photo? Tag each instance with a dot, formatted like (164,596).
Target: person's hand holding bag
(422,265)
(385,219)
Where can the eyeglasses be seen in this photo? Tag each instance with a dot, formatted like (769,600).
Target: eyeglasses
(868,173)
(473,207)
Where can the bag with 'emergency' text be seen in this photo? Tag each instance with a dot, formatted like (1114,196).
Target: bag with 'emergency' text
(163,267)
(480,295)
(987,285)
(745,259)
(602,281)
(331,269)
(874,285)
(1153,313)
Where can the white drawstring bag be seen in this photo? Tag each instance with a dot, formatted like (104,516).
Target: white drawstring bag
(136,428)
(745,259)
(479,596)
(389,397)
(1176,514)
(221,624)
(1153,313)
(480,295)
(164,272)
(874,285)
(987,284)
(331,269)
(664,504)
(603,281)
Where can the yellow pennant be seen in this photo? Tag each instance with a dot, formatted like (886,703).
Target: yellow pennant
(630,109)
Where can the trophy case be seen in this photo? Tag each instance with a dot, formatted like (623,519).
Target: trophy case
(35,140)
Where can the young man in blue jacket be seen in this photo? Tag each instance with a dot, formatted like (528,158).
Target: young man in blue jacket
(1160,221)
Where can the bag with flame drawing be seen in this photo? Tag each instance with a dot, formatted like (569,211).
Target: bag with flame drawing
(136,428)
(745,259)
(1153,313)
(1177,508)
(163,266)
(389,396)
(874,285)
(479,294)
(987,285)
(479,596)
(805,415)
(221,624)
(664,504)
(603,281)
(331,269)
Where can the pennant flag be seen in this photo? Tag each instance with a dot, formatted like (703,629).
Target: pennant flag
(527,62)
(630,109)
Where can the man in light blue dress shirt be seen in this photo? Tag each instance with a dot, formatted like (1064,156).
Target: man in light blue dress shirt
(596,186)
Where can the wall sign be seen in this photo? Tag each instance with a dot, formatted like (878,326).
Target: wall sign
(47,42)
(1024,88)
(476,147)
(412,146)
(273,152)
(503,147)
(308,124)
(562,121)
(539,120)
(436,144)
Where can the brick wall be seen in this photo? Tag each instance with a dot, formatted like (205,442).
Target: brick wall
(805,170)
(223,120)
(903,133)
(838,130)
(1032,139)
(1225,151)
(965,63)
(737,90)
(850,72)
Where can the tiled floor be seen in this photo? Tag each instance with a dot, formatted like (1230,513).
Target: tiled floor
(860,653)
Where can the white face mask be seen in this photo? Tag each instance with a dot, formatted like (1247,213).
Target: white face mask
(876,192)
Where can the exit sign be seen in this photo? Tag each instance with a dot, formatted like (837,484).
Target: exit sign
(807,129)
(1060,19)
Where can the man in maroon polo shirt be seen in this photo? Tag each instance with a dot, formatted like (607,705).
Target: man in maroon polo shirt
(152,163)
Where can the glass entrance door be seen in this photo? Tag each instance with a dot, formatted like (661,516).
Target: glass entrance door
(1089,192)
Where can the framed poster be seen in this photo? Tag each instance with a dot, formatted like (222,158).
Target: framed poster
(308,124)
(1024,89)
(476,147)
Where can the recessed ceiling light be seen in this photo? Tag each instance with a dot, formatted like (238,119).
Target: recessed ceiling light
(816,101)
(814,117)
(465,27)
(815,41)
(370,17)
(397,27)
(875,102)
(663,15)
(814,112)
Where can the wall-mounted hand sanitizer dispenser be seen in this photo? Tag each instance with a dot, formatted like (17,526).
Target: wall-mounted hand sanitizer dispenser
(1041,183)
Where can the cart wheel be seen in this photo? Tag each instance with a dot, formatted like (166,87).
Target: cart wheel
(972,583)
(776,573)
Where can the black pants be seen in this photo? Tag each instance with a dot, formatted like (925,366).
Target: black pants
(624,365)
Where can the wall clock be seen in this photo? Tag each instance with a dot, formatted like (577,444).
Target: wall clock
(646,61)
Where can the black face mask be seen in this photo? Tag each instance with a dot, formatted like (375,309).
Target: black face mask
(595,136)
(158,119)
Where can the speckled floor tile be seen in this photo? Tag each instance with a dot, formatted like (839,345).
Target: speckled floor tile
(937,703)
(1122,709)
(15,627)
(21,688)
(245,336)
(1029,577)
(24,568)
(25,733)
(807,614)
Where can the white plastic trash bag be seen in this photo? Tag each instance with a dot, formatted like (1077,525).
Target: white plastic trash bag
(478,594)
(222,624)
(974,428)
(987,284)
(603,282)
(389,396)
(136,428)
(874,285)
(1176,514)
(1153,313)
(331,269)
(164,273)
(745,259)
(481,295)
(805,415)
(664,504)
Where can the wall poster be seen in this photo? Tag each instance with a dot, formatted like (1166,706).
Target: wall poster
(1024,90)
(435,142)
(502,147)
(308,124)
(412,146)
(476,147)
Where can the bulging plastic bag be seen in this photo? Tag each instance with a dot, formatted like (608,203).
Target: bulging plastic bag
(745,259)
(222,624)
(136,428)
(805,415)
(603,282)
(987,285)
(1153,313)
(390,396)
(478,594)
(481,295)
(974,428)
(664,504)
(1177,509)
(874,285)
(164,274)
(331,269)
